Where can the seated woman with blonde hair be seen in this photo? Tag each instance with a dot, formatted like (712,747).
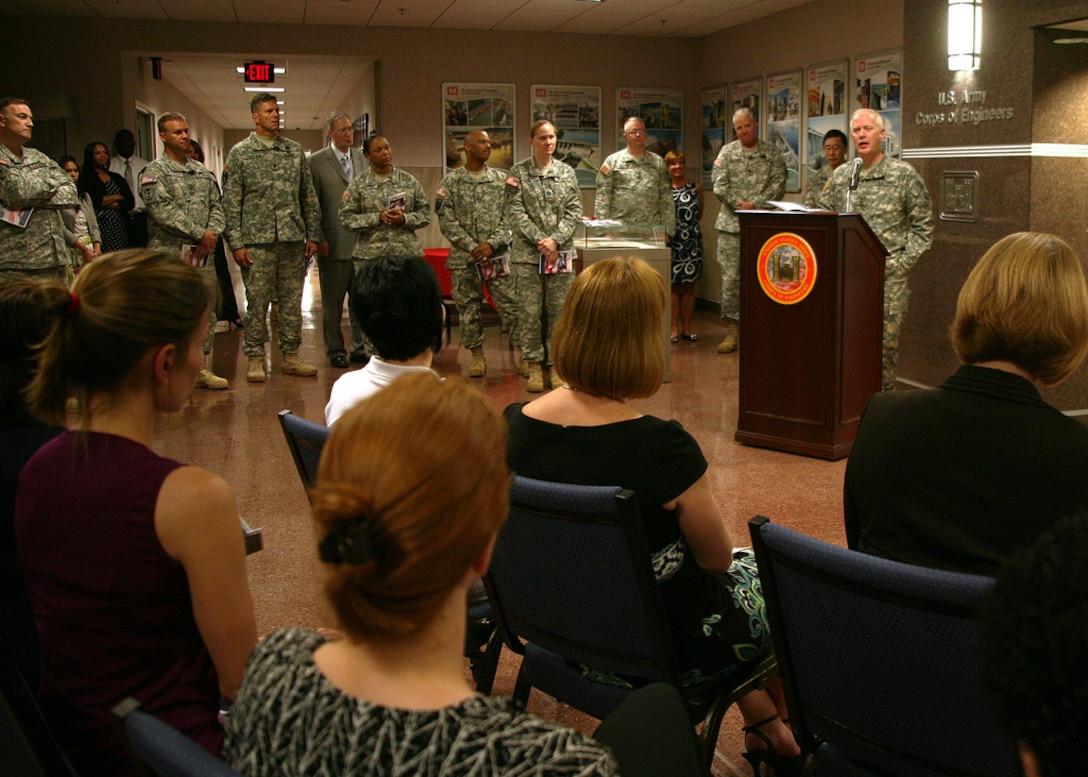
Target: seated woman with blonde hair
(608,349)
(135,563)
(959,476)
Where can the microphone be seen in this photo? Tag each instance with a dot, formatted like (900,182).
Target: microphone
(855,174)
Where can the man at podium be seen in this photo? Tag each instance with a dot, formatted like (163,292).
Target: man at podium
(892,198)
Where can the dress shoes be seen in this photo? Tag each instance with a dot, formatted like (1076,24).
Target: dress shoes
(339,362)
(359,357)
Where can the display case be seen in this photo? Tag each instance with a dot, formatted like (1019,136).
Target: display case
(597,240)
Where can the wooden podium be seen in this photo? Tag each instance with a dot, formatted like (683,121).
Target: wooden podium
(812,318)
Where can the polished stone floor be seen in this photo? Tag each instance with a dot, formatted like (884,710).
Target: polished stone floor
(236,434)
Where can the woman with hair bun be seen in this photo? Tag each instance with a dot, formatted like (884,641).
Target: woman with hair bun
(405,524)
(135,563)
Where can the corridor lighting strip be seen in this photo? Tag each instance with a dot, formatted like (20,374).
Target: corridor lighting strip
(1022,149)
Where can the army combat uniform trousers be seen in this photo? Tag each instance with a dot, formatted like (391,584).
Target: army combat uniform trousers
(277,270)
(468,295)
(896,297)
(729,264)
(538,295)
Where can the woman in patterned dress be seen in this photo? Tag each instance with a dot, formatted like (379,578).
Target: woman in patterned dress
(110,195)
(687,246)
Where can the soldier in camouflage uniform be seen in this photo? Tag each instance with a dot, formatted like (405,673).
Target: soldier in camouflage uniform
(30,179)
(183,209)
(835,155)
(747,173)
(633,186)
(384,206)
(273,222)
(893,199)
(471,209)
(544,208)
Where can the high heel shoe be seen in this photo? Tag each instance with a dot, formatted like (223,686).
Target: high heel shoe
(784,766)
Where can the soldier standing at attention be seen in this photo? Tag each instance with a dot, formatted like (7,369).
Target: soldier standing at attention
(273,223)
(471,208)
(893,199)
(332,168)
(33,192)
(633,186)
(184,215)
(747,173)
(544,208)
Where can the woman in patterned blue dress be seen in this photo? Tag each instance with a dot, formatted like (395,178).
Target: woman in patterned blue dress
(687,246)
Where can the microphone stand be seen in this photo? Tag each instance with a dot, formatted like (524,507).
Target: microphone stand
(854,175)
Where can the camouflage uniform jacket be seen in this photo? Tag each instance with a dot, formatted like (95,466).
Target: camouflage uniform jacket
(34,181)
(817,180)
(268,194)
(635,191)
(364,200)
(747,176)
(893,199)
(541,204)
(182,202)
(472,210)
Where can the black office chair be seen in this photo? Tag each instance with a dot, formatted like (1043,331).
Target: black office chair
(571,582)
(27,744)
(877,660)
(160,750)
(306,440)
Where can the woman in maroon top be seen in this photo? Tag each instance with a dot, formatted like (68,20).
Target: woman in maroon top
(135,564)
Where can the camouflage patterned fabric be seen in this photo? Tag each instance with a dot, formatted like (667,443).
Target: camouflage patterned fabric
(635,191)
(182,203)
(540,204)
(741,175)
(35,181)
(471,210)
(817,179)
(277,273)
(366,197)
(892,198)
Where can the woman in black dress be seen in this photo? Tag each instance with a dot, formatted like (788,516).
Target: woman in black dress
(110,195)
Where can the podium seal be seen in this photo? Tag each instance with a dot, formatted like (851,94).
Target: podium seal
(786,267)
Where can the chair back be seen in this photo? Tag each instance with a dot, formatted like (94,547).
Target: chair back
(163,751)
(305,440)
(877,660)
(26,741)
(571,574)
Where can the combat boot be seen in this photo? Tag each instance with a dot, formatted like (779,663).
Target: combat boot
(536,378)
(731,341)
(209,380)
(478,368)
(293,365)
(255,373)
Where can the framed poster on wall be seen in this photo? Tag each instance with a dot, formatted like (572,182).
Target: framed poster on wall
(470,107)
(879,87)
(825,108)
(746,94)
(575,112)
(661,110)
(783,122)
(716,119)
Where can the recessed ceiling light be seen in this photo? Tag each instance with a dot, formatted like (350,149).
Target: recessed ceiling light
(1068,41)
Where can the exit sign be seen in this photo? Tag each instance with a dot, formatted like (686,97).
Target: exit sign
(259,73)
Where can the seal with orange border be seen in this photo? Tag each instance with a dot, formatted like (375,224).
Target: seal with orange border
(786,267)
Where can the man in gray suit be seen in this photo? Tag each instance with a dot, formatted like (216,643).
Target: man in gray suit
(333,167)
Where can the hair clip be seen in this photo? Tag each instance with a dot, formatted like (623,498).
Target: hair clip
(73,304)
(353,544)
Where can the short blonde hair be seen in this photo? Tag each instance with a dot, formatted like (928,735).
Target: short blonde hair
(416,478)
(608,340)
(1025,302)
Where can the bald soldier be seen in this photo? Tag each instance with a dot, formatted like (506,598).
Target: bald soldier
(893,199)
(633,185)
(471,210)
(747,173)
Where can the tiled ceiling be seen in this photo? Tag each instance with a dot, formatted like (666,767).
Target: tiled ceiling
(316,84)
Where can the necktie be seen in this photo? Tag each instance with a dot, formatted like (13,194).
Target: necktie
(128,176)
(345,162)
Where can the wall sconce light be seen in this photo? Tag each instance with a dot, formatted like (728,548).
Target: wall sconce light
(964,34)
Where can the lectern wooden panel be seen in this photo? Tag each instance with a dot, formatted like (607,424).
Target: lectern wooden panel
(812,316)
